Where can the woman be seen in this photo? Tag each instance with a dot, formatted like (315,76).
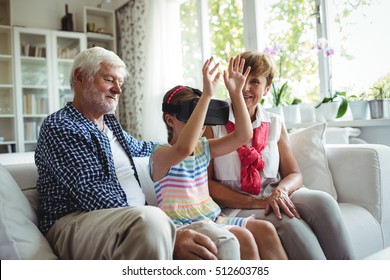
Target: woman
(263,178)
(179,170)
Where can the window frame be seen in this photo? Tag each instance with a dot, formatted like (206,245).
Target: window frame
(254,40)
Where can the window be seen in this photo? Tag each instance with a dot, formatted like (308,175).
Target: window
(218,29)
(361,44)
(356,42)
(290,27)
(191,44)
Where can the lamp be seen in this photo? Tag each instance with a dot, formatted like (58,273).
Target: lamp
(103,2)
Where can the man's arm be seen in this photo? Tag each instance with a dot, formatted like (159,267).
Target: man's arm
(139,148)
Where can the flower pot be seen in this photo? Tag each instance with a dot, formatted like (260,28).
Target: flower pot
(379,108)
(327,111)
(307,112)
(388,108)
(360,109)
(277,110)
(292,114)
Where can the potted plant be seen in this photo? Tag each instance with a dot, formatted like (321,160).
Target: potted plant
(278,98)
(278,93)
(292,112)
(334,107)
(359,106)
(378,102)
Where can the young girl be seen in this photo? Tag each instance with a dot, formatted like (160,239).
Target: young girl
(179,169)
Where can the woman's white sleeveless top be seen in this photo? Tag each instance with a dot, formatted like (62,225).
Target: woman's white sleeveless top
(227,168)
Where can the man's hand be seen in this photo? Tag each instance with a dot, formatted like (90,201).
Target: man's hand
(191,245)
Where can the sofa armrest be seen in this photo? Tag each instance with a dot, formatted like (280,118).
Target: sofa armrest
(361,175)
(25,174)
(22,168)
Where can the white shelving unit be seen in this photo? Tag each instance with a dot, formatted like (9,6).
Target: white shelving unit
(66,45)
(43,61)
(7,104)
(99,25)
(33,80)
(35,66)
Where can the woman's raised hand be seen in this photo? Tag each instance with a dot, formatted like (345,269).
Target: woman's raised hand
(210,76)
(233,77)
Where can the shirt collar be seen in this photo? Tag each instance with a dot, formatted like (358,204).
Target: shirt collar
(261,115)
(73,111)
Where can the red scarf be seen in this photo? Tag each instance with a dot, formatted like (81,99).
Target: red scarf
(251,158)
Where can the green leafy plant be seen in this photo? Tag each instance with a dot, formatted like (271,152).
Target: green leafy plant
(337,96)
(379,92)
(296,101)
(361,96)
(279,94)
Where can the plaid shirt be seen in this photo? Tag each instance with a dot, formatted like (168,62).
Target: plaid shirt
(76,167)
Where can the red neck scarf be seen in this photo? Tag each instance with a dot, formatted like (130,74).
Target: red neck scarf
(251,158)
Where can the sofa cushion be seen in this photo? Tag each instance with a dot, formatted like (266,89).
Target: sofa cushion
(309,150)
(20,237)
(142,166)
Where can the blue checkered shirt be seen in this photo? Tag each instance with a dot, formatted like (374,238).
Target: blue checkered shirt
(75,165)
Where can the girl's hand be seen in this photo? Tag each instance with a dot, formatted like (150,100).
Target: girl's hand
(233,77)
(210,78)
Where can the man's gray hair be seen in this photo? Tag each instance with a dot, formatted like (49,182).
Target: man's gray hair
(89,61)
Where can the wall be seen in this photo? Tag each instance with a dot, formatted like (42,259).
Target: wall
(47,14)
(376,134)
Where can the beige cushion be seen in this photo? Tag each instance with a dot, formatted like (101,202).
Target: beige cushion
(309,151)
(19,236)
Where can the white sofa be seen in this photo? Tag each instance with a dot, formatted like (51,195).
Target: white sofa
(360,175)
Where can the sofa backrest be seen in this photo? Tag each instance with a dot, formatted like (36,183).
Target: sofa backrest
(23,169)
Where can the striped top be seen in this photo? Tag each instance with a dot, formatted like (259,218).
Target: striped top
(183,193)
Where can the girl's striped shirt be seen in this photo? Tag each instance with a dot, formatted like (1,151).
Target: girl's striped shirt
(183,193)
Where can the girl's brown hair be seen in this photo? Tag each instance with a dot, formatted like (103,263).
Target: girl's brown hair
(174,98)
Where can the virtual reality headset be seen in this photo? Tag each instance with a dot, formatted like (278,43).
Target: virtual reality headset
(217,112)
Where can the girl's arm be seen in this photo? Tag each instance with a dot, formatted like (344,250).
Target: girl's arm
(185,139)
(234,81)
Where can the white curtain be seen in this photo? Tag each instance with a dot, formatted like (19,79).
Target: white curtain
(131,48)
(163,69)
(152,53)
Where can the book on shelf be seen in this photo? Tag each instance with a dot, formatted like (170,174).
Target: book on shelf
(29,104)
(30,130)
(33,51)
(35,104)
